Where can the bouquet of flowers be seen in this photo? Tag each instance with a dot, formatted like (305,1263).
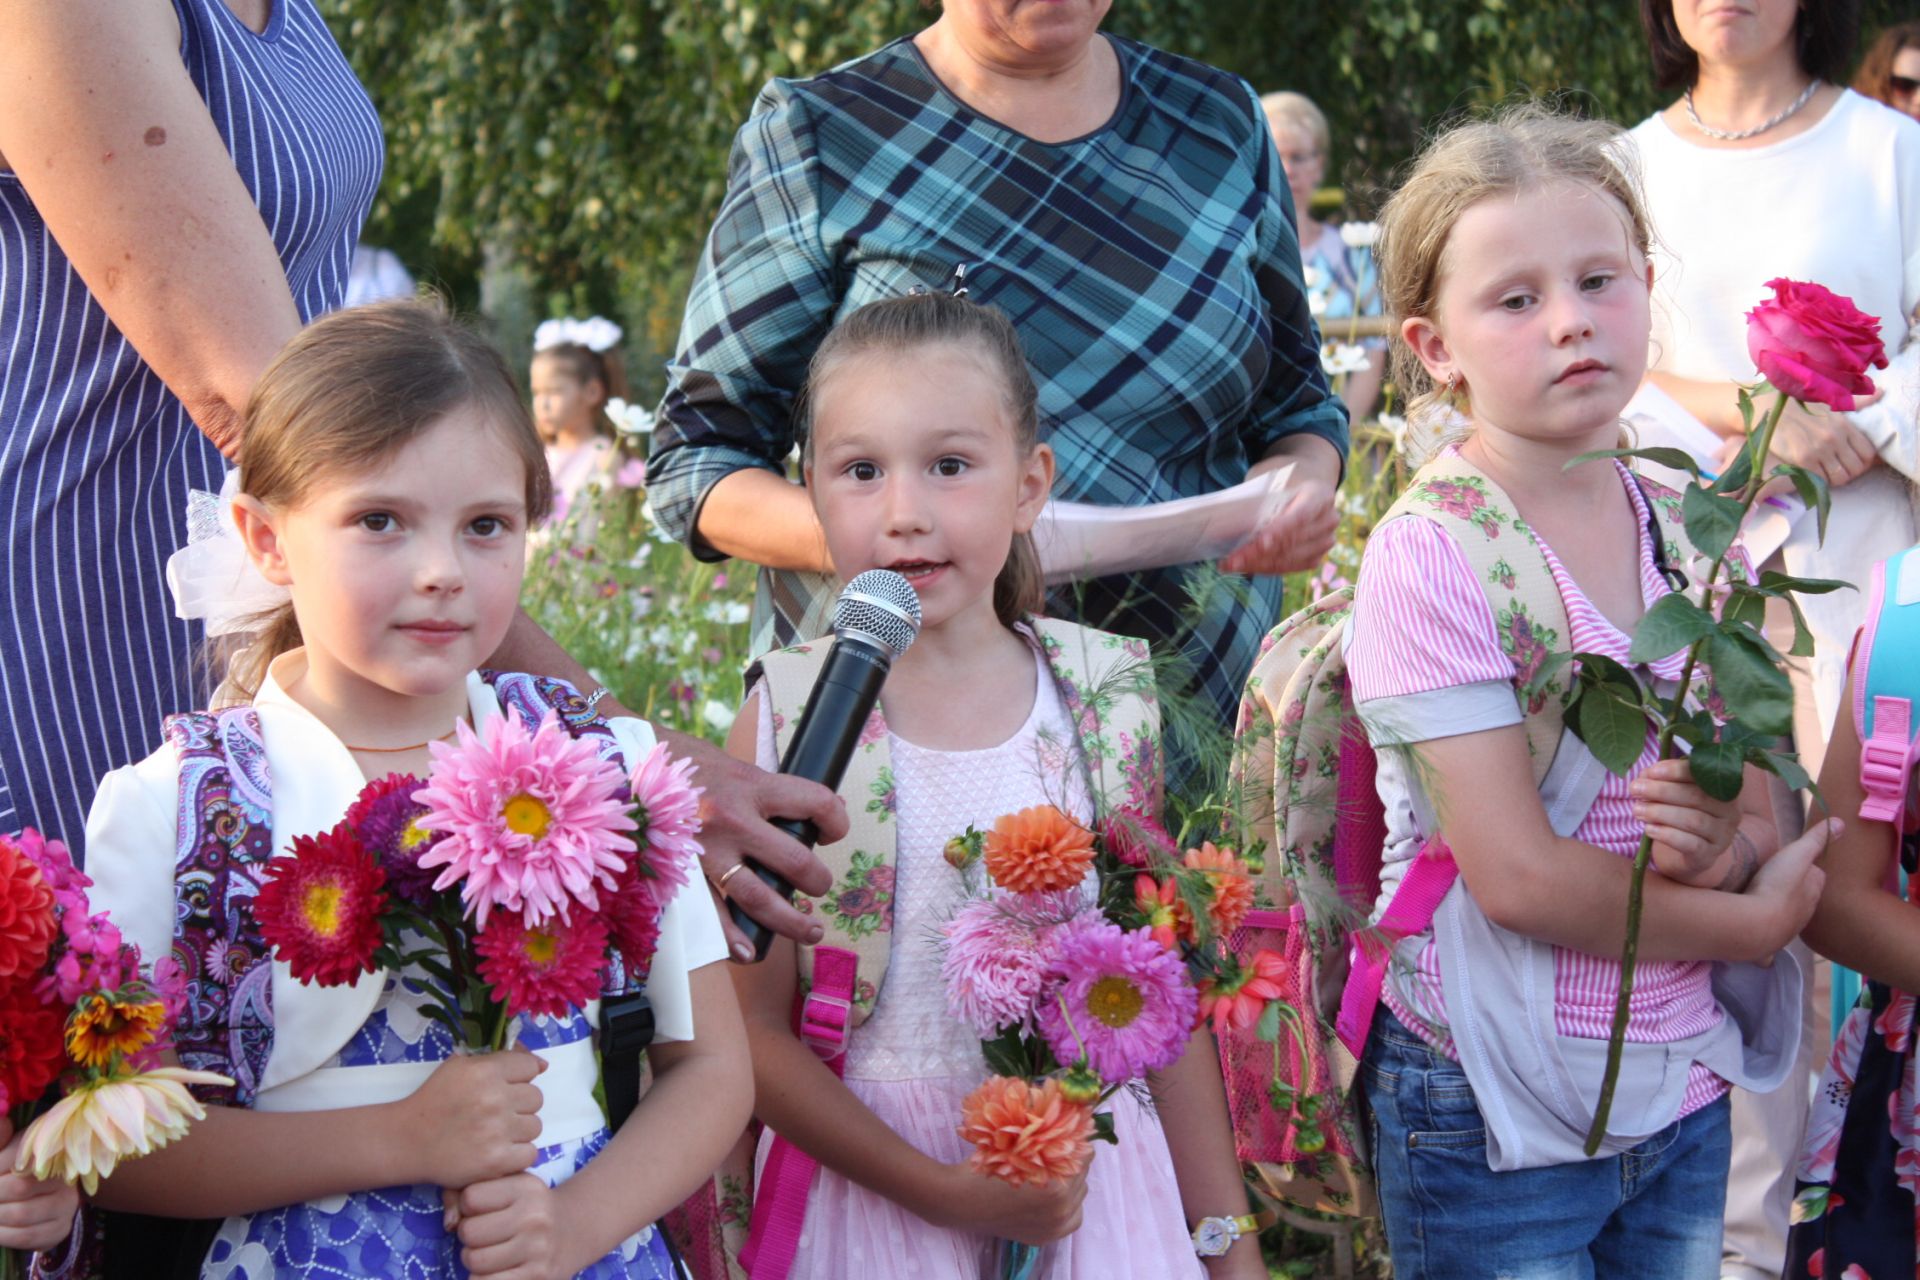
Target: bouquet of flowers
(1072,963)
(514,876)
(75,1008)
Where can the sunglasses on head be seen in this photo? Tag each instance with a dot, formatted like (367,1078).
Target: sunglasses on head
(1903,84)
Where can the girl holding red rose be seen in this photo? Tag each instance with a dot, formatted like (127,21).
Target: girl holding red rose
(1514,260)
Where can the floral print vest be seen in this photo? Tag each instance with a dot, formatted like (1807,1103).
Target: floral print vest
(1105,683)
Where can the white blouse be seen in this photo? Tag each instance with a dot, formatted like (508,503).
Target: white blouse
(131,843)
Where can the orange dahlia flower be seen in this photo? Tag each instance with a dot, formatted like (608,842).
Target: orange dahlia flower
(1237,1000)
(1232,886)
(1167,915)
(1026,1133)
(1038,850)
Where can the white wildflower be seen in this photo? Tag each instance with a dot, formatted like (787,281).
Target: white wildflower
(1339,358)
(1359,235)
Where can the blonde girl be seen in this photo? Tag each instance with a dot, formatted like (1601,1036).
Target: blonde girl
(1514,258)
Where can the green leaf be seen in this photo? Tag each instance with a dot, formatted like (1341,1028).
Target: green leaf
(1718,768)
(1615,732)
(1781,582)
(1599,669)
(1678,459)
(1712,522)
(1695,728)
(1756,692)
(1812,490)
(1783,765)
(1735,477)
(1802,646)
(1103,1128)
(1268,1028)
(1006,1055)
(1746,605)
(1753,637)
(1671,625)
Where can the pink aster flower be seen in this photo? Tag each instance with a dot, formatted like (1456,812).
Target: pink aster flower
(547,968)
(1126,997)
(535,819)
(996,965)
(667,808)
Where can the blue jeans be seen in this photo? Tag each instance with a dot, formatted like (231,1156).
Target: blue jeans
(1651,1211)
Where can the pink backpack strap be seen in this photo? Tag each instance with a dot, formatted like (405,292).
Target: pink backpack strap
(1411,912)
(1882,696)
(780,1197)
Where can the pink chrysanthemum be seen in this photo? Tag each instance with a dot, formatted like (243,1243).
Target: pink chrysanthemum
(547,968)
(1126,995)
(667,808)
(996,965)
(386,817)
(535,819)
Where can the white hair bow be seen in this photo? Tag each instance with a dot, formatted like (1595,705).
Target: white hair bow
(595,333)
(212,577)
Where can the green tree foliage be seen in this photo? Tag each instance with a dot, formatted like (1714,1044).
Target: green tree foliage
(585,141)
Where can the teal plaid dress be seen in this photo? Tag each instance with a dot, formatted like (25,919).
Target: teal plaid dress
(1151,267)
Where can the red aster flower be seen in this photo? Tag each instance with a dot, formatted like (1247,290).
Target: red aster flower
(26,913)
(320,907)
(33,1049)
(549,968)
(632,913)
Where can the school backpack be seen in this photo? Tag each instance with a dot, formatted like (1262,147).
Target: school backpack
(224,841)
(1303,780)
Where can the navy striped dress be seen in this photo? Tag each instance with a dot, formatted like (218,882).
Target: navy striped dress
(96,455)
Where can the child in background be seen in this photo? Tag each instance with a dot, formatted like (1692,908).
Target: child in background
(1515,260)
(576,373)
(390,479)
(921,457)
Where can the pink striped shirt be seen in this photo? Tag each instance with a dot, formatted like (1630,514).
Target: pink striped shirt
(1420,623)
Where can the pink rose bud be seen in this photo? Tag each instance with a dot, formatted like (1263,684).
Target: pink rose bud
(1814,345)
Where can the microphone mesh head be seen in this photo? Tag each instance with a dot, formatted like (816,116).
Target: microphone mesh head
(882,604)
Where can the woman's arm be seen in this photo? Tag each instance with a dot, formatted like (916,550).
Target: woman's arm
(115,146)
(1572,894)
(766,519)
(1859,922)
(475,1118)
(1191,1100)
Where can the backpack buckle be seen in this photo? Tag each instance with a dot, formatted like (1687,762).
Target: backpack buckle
(1884,765)
(823,1024)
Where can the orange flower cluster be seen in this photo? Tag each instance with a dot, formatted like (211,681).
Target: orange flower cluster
(1026,1133)
(1232,887)
(1038,850)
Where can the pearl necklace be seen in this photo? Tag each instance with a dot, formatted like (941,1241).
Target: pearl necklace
(1806,96)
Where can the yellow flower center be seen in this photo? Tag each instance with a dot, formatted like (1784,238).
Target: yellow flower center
(321,907)
(527,815)
(541,947)
(413,837)
(1115,1001)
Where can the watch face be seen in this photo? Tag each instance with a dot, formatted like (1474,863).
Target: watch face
(1213,1237)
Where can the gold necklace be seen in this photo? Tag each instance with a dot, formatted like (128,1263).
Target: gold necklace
(389,751)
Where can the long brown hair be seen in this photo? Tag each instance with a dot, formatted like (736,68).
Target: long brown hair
(1875,77)
(349,391)
(937,319)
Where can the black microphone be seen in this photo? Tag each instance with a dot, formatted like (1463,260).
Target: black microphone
(875,619)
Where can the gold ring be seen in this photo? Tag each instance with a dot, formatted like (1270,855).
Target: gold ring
(720,881)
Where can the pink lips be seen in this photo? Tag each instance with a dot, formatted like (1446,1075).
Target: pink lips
(1578,371)
(434,631)
(918,572)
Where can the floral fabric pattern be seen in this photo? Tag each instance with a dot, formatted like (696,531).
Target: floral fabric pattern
(1854,1205)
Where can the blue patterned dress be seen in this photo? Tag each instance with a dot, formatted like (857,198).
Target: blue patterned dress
(97,456)
(396,1233)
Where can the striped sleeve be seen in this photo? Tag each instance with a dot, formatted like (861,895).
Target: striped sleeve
(1423,655)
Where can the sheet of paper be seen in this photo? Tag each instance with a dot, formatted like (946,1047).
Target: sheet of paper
(1658,419)
(1087,540)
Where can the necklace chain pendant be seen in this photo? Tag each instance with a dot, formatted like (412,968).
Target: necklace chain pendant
(1726,135)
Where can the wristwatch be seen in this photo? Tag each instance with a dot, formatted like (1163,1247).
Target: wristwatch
(1212,1237)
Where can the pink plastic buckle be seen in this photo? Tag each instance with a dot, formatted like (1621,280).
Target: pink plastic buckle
(823,1024)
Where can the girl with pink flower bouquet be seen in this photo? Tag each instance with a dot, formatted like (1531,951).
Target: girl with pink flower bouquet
(374,546)
(1001,742)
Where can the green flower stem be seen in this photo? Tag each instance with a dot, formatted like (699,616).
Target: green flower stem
(1636,889)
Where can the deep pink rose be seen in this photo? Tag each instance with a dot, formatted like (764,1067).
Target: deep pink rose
(1815,345)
